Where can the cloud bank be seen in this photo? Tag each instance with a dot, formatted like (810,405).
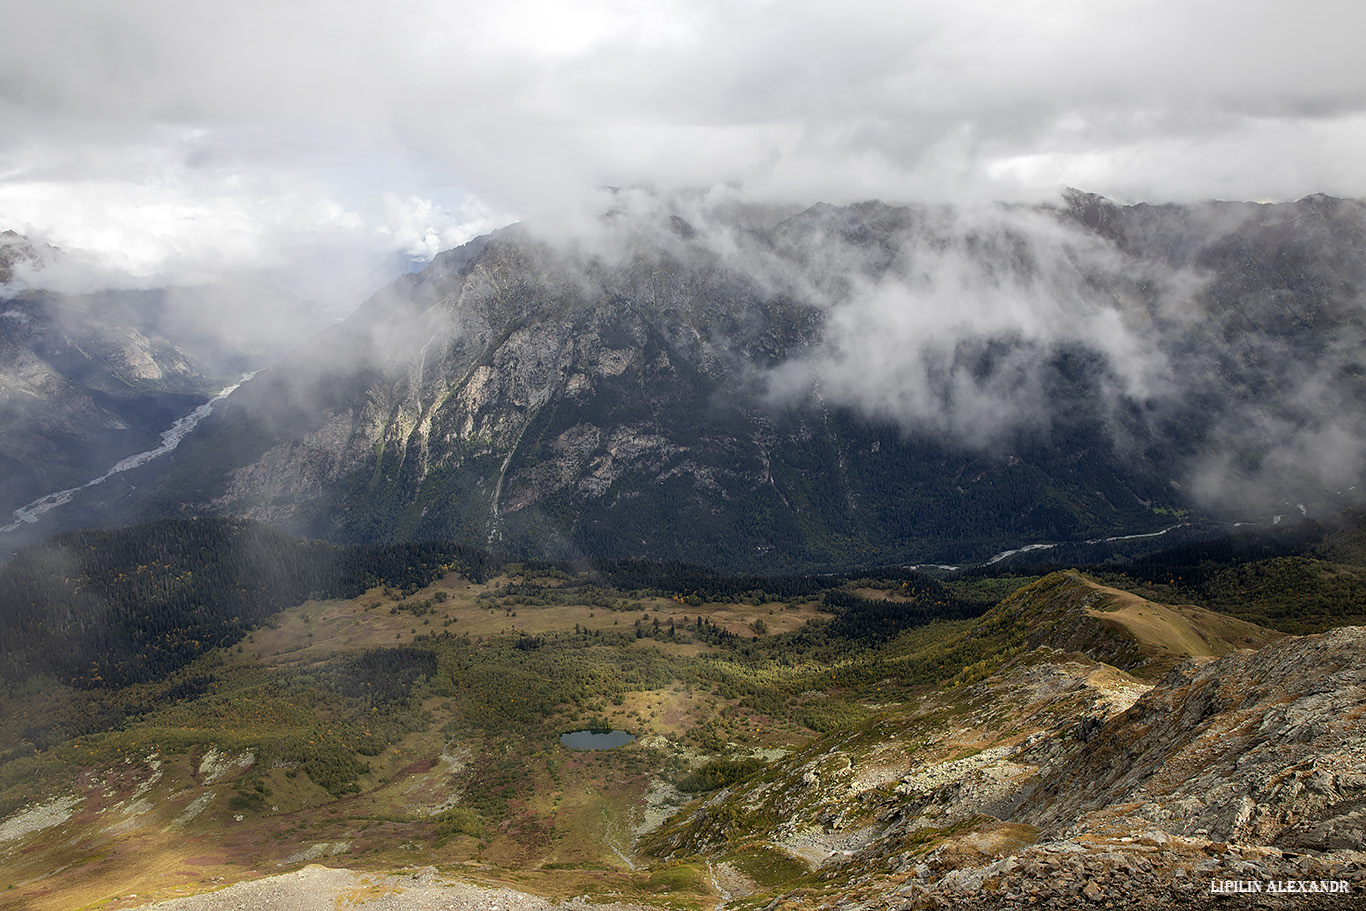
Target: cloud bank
(1222,345)
(196,139)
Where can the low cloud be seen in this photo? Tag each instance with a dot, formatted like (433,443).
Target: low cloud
(242,135)
(125,235)
(957,334)
(1225,342)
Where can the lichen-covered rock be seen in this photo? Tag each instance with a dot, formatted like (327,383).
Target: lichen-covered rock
(1245,768)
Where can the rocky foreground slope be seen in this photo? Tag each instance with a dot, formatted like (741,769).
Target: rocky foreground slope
(318,888)
(1084,747)
(1060,783)
(1063,783)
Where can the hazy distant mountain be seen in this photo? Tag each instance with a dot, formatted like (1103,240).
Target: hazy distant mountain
(86,379)
(851,385)
(15,251)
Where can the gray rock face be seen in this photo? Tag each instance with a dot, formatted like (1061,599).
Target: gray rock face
(1261,747)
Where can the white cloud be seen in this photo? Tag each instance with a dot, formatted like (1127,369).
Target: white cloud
(956,336)
(152,127)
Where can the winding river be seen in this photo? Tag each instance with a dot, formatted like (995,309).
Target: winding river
(170,439)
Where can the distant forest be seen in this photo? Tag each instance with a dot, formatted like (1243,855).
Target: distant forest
(1298,578)
(111,608)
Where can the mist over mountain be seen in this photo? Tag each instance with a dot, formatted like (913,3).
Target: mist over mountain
(91,373)
(855,384)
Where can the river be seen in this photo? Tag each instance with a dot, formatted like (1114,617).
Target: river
(170,439)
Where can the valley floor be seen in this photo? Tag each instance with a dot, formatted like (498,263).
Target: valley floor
(1076,746)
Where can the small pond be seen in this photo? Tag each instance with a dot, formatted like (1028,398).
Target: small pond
(596,740)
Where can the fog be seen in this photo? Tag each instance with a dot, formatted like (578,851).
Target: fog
(915,345)
(1223,340)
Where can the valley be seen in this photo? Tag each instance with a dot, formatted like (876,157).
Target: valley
(880,737)
(98,383)
(32,513)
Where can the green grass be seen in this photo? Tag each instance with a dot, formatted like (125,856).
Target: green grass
(768,867)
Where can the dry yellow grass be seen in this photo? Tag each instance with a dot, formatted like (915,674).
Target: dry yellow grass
(317,629)
(1179,631)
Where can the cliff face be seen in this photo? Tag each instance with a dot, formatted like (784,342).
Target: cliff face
(1264,747)
(517,390)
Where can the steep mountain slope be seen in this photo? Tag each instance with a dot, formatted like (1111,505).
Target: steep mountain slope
(1263,747)
(729,395)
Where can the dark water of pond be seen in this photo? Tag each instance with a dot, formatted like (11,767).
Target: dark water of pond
(596,740)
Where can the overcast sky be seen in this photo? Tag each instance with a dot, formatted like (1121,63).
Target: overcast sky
(179,140)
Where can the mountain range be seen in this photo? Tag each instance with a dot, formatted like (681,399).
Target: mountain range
(852,385)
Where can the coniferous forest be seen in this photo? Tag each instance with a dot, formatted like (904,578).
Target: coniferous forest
(107,608)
